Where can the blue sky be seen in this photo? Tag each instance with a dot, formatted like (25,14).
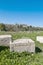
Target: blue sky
(22,12)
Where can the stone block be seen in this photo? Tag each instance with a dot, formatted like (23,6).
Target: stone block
(5,40)
(21,45)
(39,39)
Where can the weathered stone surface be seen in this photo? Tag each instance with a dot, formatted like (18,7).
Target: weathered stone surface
(21,45)
(39,39)
(11,47)
(5,40)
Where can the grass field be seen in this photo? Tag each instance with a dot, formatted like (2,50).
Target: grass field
(24,58)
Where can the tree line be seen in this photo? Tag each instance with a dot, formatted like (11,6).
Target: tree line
(19,27)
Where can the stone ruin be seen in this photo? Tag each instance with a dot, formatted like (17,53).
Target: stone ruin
(19,45)
(39,39)
(5,40)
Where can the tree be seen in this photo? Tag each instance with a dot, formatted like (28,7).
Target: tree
(2,27)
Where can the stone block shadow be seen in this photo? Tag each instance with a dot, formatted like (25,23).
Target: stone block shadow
(37,50)
(3,48)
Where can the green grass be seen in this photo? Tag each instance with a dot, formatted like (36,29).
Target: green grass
(24,58)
